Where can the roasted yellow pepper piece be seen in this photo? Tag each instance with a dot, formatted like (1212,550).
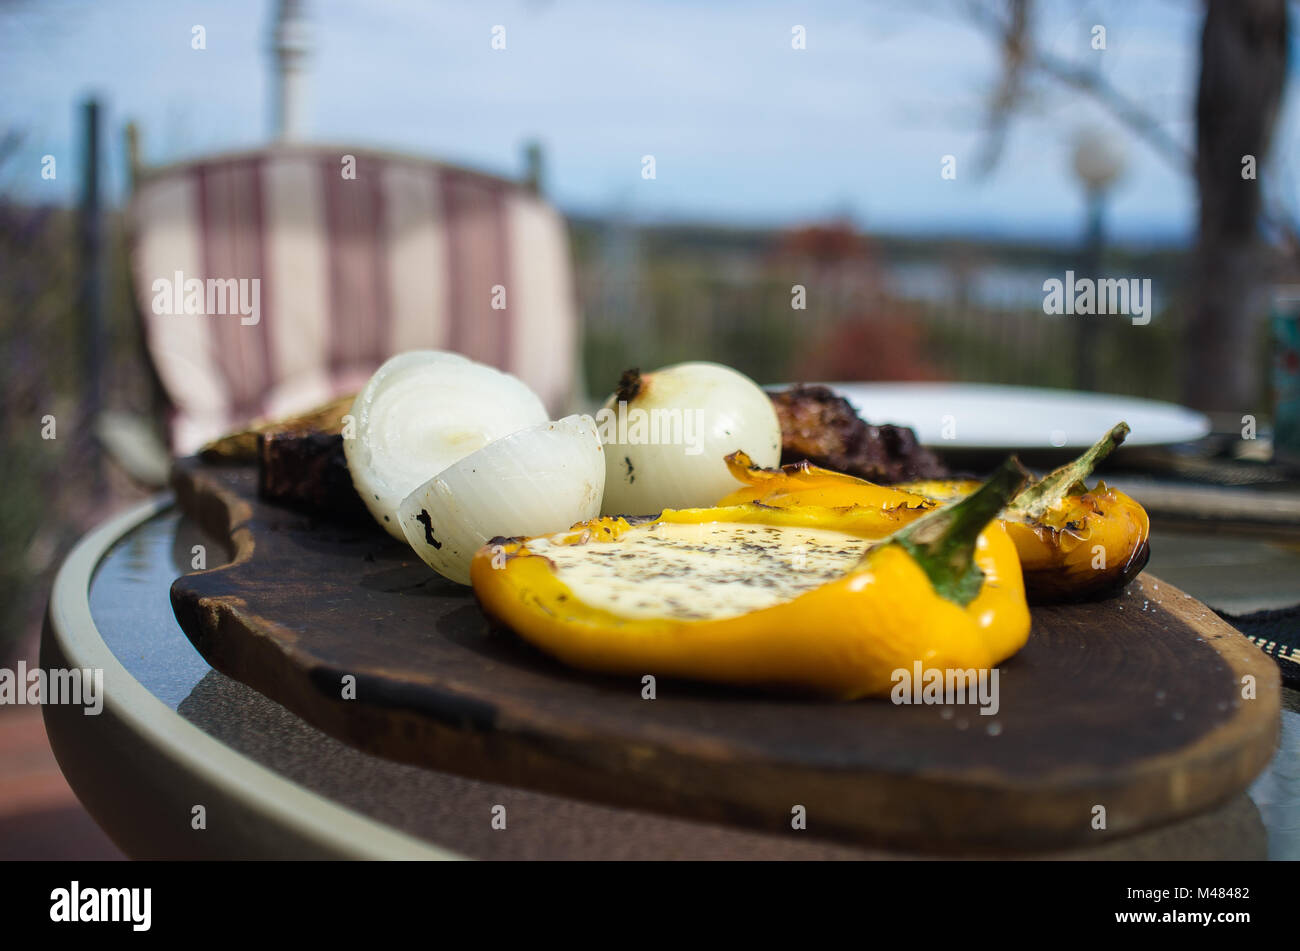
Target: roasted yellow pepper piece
(1074,543)
(805,484)
(945,590)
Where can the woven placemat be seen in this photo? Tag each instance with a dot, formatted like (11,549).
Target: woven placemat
(1277,634)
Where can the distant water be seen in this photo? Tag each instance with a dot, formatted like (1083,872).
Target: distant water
(993,287)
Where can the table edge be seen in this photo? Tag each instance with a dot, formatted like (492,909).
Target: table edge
(322,826)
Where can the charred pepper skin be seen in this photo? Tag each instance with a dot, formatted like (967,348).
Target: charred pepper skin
(805,484)
(842,640)
(1085,548)
(1088,548)
(1075,544)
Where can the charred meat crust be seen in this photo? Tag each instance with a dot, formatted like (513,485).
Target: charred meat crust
(821,427)
(308,471)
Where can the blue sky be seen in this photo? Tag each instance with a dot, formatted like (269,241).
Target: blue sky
(743,128)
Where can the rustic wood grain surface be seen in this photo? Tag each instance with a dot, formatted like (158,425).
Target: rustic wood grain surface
(1134,705)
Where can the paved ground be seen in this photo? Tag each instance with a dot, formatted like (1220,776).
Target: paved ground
(40,817)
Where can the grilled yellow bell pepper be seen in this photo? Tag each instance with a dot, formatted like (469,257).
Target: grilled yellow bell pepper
(805,484)
(944,590)
(1074,543)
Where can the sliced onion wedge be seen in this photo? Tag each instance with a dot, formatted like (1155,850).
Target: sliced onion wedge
(537,481)
(668,433)
(422,411)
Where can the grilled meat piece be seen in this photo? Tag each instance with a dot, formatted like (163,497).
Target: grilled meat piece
(823,428)
(307,470)
(242,446)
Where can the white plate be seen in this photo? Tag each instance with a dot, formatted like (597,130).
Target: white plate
(982,416)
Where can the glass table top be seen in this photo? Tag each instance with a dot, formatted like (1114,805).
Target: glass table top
(130,603)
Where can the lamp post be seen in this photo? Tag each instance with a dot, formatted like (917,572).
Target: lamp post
(1098,163)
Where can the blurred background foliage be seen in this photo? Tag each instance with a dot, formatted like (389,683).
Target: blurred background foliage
(876,308)
(51,493)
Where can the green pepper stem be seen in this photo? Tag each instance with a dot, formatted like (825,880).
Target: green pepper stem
(943,542)
(1036,498)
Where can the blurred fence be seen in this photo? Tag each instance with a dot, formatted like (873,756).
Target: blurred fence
(49,454)
(648,304)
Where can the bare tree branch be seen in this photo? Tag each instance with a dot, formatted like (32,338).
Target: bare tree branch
(1020,59)
(1016,37)
(1140,122)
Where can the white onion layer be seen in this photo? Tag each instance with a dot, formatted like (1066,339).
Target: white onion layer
(421,412)
(704,412)
(534,482)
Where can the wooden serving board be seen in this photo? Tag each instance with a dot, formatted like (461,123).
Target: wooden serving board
(1134,704)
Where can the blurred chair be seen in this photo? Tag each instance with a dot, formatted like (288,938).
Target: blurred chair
(408,254)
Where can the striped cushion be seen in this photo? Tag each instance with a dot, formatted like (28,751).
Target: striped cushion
(407,255)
